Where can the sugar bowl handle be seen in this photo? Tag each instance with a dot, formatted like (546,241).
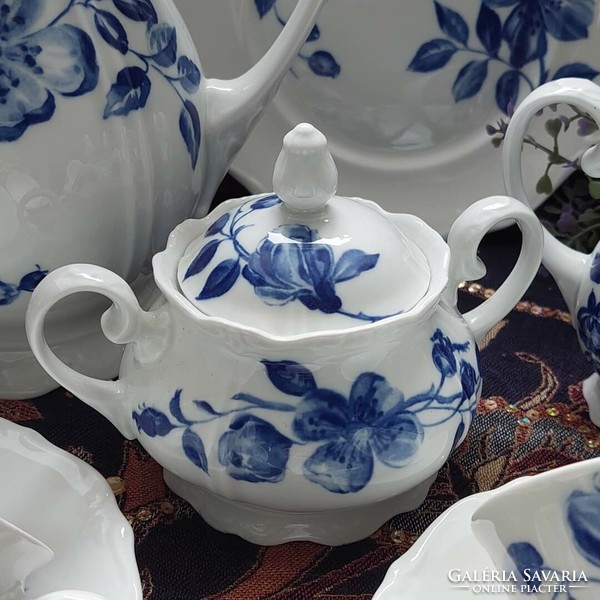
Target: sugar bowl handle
(122,323)
(464,239)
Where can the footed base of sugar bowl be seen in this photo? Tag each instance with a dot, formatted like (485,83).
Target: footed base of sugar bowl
(270,527)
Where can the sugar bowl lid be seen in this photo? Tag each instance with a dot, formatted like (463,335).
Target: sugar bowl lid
(302,259)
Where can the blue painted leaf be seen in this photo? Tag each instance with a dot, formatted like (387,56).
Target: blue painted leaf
(204,257)
(582,516)
(290,377)
(352,263)
(129,92)
(458,435)
(432,55)
(507,91)
(194,449)
(264,6)
(189,74)
(221,279)
(217,226)
(138,10)
(489,29)
(266,202)
(595,270)
(162,40)
(321,63)
(111,30)
(175,408)
(314,35)
(30,281)
(452,24)
(205,406)
(576,70)
(469,80)
(189,125)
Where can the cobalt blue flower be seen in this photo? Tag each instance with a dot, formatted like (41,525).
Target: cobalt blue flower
(299,268)
(253,450)
(529,23)
(36,63)
(152,422)
(588,320)
(369,424)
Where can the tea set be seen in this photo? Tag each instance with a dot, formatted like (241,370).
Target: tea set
(294,360)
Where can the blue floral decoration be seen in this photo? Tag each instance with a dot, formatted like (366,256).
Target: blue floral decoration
(302,270)
(513,41)
(36,64)
(320,62)
(374,423)
(59,58)
(9,292)
(588,327)
(581,516)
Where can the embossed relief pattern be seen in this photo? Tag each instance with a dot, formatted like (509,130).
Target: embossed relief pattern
(531,418)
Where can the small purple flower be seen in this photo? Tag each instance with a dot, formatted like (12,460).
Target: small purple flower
(586,127)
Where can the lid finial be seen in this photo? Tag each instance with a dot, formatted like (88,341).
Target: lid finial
(305,175)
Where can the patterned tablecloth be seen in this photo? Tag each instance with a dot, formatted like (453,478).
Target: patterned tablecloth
(531,418)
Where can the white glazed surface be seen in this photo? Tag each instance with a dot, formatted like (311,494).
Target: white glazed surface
(292,424)
(100,562)
(448,543)
(106,175)
(20,555)
(557,517)
(398,136)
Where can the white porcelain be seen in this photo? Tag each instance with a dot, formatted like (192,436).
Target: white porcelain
(546,524)
(20,555)
(110,136)
(324,433)
(399,135)
(55,497)
(446,551)
(577,274)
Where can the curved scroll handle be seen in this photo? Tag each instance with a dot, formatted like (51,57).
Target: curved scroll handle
(565,264)
(122,323)
(464,239)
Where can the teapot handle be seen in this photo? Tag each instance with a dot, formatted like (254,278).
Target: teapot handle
(122,323)
(464,239)
(566,265)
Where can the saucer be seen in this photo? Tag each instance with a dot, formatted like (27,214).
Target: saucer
(68,506)
(398,136)
(448,546)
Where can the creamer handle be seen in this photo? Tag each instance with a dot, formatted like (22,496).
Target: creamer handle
(122,323)
(464,239)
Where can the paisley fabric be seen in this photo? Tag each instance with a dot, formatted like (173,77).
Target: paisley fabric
(531,418)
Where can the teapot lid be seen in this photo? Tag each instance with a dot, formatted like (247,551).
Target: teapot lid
(303,259)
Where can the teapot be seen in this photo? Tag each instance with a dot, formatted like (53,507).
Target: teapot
(577,275)
(306,372)
(110,136)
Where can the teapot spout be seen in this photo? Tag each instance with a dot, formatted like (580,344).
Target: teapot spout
(567,266)
(233,107)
